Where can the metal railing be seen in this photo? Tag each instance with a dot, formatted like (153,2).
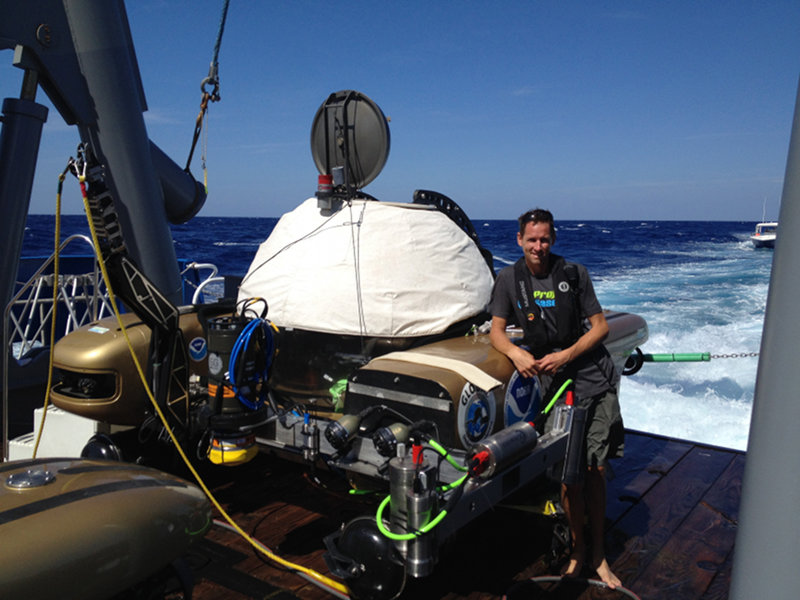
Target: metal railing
(211,278)
(82,298)
(27,317)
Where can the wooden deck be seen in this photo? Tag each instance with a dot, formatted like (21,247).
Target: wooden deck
(671,523)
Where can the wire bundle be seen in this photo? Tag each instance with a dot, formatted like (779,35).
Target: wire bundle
(250,363)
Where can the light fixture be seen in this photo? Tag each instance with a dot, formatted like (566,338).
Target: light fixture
(339,433)
(387,438)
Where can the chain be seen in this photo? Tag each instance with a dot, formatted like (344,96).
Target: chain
(739,355)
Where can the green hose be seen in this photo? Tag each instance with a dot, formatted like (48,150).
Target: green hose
(685,357)
(401,537)
(453,485)
(557,396)
(440,449)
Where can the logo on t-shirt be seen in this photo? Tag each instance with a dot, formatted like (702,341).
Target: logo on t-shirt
(544,299)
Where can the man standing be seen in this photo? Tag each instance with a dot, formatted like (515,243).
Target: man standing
(551,300)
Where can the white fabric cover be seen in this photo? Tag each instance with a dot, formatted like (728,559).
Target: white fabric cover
(418,272)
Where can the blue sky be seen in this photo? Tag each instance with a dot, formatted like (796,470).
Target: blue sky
(597,110)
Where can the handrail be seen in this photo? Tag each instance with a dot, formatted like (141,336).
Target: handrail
(199,291)
(211,278)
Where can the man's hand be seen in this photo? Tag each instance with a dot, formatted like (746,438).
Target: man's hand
(550,363)
(523,361)
(598,331)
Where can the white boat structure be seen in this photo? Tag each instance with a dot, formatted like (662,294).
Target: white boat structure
(765,234)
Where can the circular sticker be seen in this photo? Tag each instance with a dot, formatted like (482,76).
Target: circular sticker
(522,399)
(197,349)
(476,415)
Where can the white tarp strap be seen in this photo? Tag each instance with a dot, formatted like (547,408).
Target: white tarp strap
(467,370)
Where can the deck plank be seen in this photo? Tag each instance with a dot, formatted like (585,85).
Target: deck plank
(727,491)
(685,567)
(719,589)
(648,527)
(647,460)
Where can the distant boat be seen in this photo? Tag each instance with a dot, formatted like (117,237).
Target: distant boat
(765,234)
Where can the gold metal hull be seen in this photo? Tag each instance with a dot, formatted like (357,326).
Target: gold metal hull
(96,529)
(99,354)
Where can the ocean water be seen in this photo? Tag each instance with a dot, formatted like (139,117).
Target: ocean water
(701,286)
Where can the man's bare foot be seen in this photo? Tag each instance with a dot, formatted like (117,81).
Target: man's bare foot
(606,575)
(574,566)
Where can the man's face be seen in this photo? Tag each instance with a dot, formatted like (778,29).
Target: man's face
(535,243)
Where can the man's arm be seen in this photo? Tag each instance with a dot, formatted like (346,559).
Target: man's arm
(522,359)
(596,334)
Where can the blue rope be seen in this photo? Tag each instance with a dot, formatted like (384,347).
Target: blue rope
(213,70)
(215,60)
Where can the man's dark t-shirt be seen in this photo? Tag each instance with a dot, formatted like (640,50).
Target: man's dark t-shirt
(593,373)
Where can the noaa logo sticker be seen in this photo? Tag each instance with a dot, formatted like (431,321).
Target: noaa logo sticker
(522,399)
(476,415)
(198,349)
(563,287)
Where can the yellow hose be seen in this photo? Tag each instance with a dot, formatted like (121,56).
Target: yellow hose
(54,313)
(326,581)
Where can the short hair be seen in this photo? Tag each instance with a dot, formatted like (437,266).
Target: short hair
(537,215)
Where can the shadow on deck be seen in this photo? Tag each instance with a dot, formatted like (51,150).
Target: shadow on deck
(671,522)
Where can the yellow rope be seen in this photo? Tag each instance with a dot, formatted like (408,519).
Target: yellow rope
(54,314)
(204,150)
(311,573)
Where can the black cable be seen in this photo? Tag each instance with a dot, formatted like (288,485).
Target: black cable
(290,244)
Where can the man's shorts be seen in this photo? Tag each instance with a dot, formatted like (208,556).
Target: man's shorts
(604,437)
